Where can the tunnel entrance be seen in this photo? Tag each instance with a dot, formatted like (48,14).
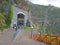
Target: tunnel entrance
(20,20)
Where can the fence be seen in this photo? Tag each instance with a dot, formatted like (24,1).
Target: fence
(48,39)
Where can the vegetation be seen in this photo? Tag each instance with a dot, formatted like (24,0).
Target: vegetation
(9,16)
(26,27)
(41,29)
(5,14)
(22,4)
(2,22)
(39,12)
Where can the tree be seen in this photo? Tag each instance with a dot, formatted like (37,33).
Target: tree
(9,16)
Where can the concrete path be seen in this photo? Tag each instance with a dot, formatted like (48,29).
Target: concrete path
(22,33)
(6,39)
(23,41)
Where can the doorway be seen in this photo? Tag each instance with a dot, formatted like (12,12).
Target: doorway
(20,20)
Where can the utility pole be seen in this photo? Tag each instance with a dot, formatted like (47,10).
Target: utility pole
(46,22)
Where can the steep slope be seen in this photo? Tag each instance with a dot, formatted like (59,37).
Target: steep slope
(53,13)
(22,4)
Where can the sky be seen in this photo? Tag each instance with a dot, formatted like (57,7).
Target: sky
(55,3)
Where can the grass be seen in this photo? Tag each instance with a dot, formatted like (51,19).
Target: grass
(26,27)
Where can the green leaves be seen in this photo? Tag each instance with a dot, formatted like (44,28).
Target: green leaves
(1,16)
(2,22)
(5,20)
(2,19)
(26,27)
(9,16)
(53,17)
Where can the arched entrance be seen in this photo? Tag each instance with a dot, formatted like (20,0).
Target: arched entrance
(20,20)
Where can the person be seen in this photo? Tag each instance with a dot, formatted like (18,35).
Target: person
(15,27)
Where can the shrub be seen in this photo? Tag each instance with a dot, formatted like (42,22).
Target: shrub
(2,27)
(9,16)
(26,27)
(40,31)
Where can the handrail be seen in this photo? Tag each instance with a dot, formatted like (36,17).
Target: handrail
(49,39)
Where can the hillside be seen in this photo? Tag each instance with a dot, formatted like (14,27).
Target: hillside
(38,13)
(6,13)
(53,13)
(21,4)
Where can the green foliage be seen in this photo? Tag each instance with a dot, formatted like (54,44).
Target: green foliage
(40,31)
(2,19)
(4,2)
(1,16)
(1,8)
(2,22)
(53,17)
(5,20)
(9,16)
(34,25)
(11,1)
(2,27)
(26,27)
(8,1)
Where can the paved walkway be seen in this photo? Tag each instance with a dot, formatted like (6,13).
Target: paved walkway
(6,39)
(22,33)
